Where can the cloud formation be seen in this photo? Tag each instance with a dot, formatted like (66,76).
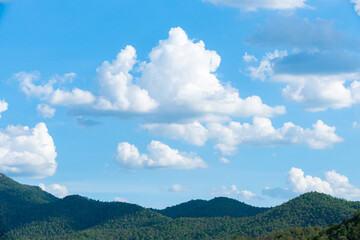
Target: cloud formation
(159,156)
(262,133)
(357,6)
(45,110)
(234,191)
(253,5)
(318,81)
(57,190)
(3,106)
(333,184)
(179,81)
(53,96)
(28,152)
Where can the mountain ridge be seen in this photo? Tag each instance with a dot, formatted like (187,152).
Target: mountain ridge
(39,215)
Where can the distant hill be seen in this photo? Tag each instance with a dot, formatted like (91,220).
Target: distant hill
(27,212)
(217,207)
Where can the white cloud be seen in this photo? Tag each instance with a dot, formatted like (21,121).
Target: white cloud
(117,91)
(224,160)
(249,58)
(181,77)
(45,110)
(57,190)
(357,6)
(193,133)
(120,199)
(253,5)
(333,184)
(160,156)
(47,92)
(178,81)
(314,91)
(265,68)
(261,132)
(3,106)
(321,92)
(75,97)
(27,152)
(234,191)
(178,188)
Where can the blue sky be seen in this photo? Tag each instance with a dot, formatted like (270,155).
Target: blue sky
(159,102)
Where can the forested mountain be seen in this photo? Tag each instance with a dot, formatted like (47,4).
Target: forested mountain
(217,207)
(29,213)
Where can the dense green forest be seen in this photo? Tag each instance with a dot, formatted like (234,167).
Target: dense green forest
(26,212)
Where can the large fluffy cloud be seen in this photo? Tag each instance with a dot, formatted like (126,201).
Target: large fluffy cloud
(181,76)
(318,81)
(117,91)
(3,106)
(159,156)
(179,80)
(252,5)
(333,183)
(27,151)
(57,190)
(260,133)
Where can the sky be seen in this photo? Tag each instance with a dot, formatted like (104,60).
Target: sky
(160,102)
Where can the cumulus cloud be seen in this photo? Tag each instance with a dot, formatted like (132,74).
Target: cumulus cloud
(321,92)
(57,190)
(249,58)
(227,136)
(46,92)
(3,106)
(117,91)
(357,6)
(178,81)
(45,110)
(159,156)
(27,151)
(234,191)
(181,76)
(318,81)
(178,188)
(253,5)
(265,68)
(261,132)
(333,184)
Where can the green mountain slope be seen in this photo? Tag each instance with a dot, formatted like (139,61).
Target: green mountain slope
(34,214)
(217,207)
(348,229)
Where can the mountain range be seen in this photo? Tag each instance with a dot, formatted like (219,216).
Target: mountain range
(27,212)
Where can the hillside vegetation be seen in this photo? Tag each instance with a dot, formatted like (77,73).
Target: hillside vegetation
(29,213)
